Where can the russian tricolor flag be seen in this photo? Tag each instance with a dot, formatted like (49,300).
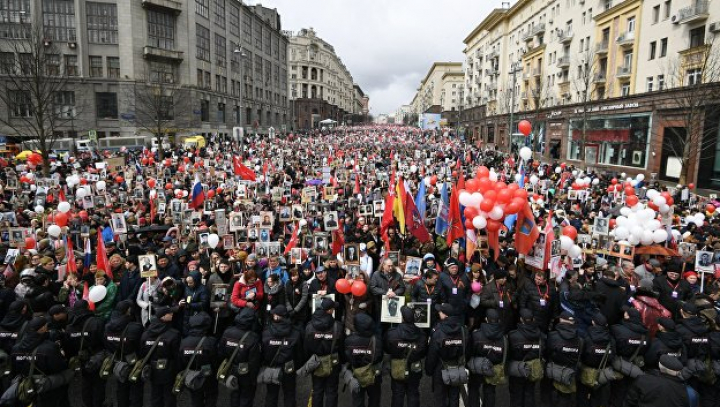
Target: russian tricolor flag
(198,195)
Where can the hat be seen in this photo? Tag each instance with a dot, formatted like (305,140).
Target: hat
(670,363)
(327,304)
(408,316)
(492,315)
(280,311)
(654,262)
(162,311)
(446,309)
(57,309)
(476,267)
(666,323)
(526,315)
(251,257)
(363,247)
(689,274)
(37,323)
(428,256)
(632,312)
(452,262)
(646,284)
(167,239)
(500,274)
(122,307)
(599,319)
(81,305)
(242,255)
(566,316)
(689,308)
(370,245)
(47,260)
(320,269)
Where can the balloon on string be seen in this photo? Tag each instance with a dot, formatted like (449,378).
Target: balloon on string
(64,207)
(525,127)
(358,289)
(30,242)
(54,230)
(100,185)
(97,293)
(343,286)
(525,153)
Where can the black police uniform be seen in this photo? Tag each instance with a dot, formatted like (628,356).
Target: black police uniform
(363,349)
(448,347)
(241,335)
(406,341)
(122,338)
(324,336)
(711,397)
(526,343)
(205,359)
(564,348)
(12,327)
(659,389)
(282,347)
(667,342)
(598,352)
(488,341)
(86,330)
(629,335)
(695,332)
(163,361)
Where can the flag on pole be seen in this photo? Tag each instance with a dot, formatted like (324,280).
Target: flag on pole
(71,265)
(420,202)
(441,222)
(415,224)
(456,229)
(526,231)
(293,240)
(87,253)
(243,171)
(198,195)
(102,260)
(399,204)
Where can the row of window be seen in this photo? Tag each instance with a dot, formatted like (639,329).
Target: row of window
(106,104)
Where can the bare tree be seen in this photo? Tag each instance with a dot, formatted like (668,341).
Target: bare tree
(161,107)
(37,94)
(693,76)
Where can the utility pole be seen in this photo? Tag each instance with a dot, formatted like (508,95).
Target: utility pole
(514,69)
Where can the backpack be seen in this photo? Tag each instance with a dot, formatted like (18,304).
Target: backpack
(26,389)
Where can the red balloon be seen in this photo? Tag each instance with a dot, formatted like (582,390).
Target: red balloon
(521,193)
(512,208)
(151,183)
(504,196)
(168,162)
(629,191)
(472,185)
(670,201)
(218,191)
(470,212)
(119,180)
(144,161)
(454,174)
(691,186)
(487,205)
(30,242)
(612,223)
(631,200)
(493,225)
(211,194)
(570,232)
(563,165)
(710,208)
(618,188)
(359,289)
(433,180)
(614,181)
(469,224)
(83,181)
(482,172)
(83,215)
(343,286)
(611,189)
(513,187)
(652,206)
(490,195)
(151,161)
(525,127)
(61,219)
(499,186)
(485,185)
(181,168)
(536,197)
(168,186)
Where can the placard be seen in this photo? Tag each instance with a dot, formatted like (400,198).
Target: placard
(390,309)
(148,266)
(422,311)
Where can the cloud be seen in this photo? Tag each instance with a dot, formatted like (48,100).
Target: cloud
(387,45)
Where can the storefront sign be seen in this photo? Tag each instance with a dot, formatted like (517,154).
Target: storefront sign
(617,106)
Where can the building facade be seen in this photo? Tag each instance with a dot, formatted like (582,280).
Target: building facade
(439,91)
(320,86)
(230,58)
(604,83)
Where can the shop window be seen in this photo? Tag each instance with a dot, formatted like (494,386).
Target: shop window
(621,141)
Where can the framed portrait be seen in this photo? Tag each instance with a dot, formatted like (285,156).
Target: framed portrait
(308,195)
(261,249)
(88,202)
(274,249)
(252,233)
(277,194)
(162,207)
(394,256)
(264,235)
(555,248)
(572,194)
(582,195)
(422,312)
(329,194)
(352,254)
(321,242)
(219,294)
(353,270)
(241,235)
(296,255)
(330,220)
(317,300)
(228,242)
(687,251)
(118,223)
(601,226)
(716,256)
(204,240)
(12,183)
(412,266)
(236,221)
(138,193)
(298,212)
(285,214)
(148,265)
(390,309)
(704,261)
(536,257)
(176,206)
(17,236)
(313,210)
(379,208)
(11,256)
(307,242)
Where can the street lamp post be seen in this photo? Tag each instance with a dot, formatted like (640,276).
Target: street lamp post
(514,68)
(242,54)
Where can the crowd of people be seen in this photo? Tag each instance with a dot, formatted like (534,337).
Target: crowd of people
(343,257)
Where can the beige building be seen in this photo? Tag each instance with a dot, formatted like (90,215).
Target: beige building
(439,91)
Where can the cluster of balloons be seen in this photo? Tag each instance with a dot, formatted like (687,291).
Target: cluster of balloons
(567,242)
(356,287)
(488,200)
(697,218)
(639,225)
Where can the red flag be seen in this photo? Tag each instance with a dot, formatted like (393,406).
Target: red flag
(338,240)
(549,237)
(356,190)
(526,231)
(61,195)
(71,265)
(413,221)
(456,230)
(461,179)
(293,240)
(243,171)
(153,210)
(387,219)
(101,257)
(86,296)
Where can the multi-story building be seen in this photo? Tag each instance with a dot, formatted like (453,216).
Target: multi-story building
(231,58)
(321,86)
(600,80)
(440,90)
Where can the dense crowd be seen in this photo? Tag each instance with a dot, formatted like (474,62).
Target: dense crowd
(354,256)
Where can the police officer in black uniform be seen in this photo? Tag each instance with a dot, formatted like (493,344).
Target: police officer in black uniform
(48,360)
(526,344)
(324,336)
(364,349)
(631,343)
(241,335)
(448,347)
(662,387)
(205,359)
(598,353)
(12,328)
(163,360)
(488,341)
(122,339)
(282,348)
(563,349)
(667,342)
(408,343)
(84,340)
(695,332)
(711,397)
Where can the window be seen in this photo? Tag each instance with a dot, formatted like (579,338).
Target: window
(625,89)
(258,36)
(627,59)
(668,6)
(220,51)
(204,111)
(206,80)
(221,112)
(96,67)
(234,58)
(64,104)
(620,140)
(650,83)
(52,64)
(694,76)
(106,105)
(102,23)
(15,19)
(663,47)
(656,14)
(7,63)
(202,7)
(661,82)
(162,72)
(697,37)
(161,29)
(234,20)
(202,50)
(653,46)
(71,65)
(199,78)
(59,20)
(631,24)
(21,103)
(247,27)
(267,42)
(113,67)
(26,63)
(220,13)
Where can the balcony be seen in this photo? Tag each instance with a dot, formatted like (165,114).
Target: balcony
(492,72)
(565,36)
(626,39)
(527,37)
(623,72)
(600,77)
(159,53)
(524,95)
(492,87)
(172,5)
(691,14)
(537,71)
(527,75)
(602,47)
(493,54)
(563,61)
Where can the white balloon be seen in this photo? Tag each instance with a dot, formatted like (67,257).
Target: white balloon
(659,200)
(566,243)
(623,175)
(634,241)
(213,240)
(652,225)
(464,198)
(647,238)
(97,293)
(100,185)
(558,170)
(637,231)
(413,168)
(64,207)
(700,215)
(534,179)
(184,193)
(54,230)
(525,153)
(660,236)
(33,187)
(517,177)
(30,175)
(640,177)
(652,193)
(575,252)
(493,176)
(479,222)
(676,234)
(625,211)
(596,181)
(476,199)
(81,193)
(302,223)
(665,208)
(39,209)
(496,213)
(574,173)
(621,233)
(587,181)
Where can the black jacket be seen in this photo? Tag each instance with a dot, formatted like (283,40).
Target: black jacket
(363,348)
(655,389)
(615,298)
(543,315)
(406,336)
(665,343)
(666,298)
(526,343)
(455,290)
(320,334)
(126,345)
(12,326)
(281,343)
(596,344)
(449,344)
(489,341)
(249,351)
(84,325)
(205,355)
(49,359)
(564,346)
(166,351)
(629,335)
(695,337)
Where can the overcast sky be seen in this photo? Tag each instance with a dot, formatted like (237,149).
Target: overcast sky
(388,45)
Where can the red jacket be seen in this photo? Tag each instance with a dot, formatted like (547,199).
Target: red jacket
(240,292)
(650,310)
